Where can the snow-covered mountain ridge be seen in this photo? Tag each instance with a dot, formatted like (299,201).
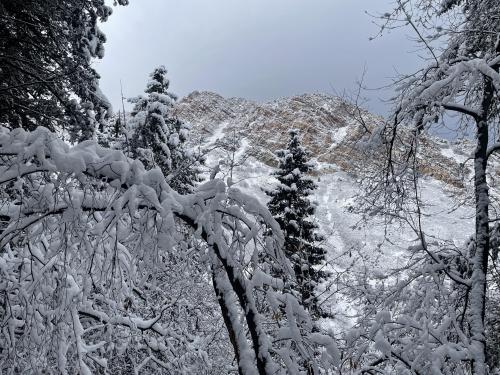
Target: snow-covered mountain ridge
(332,129)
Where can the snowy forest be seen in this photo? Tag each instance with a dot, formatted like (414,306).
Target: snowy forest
(206,235)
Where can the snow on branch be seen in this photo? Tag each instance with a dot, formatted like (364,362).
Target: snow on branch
(86,229)
(439,85)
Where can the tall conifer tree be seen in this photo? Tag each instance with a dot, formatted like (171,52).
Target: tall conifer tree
(292,209)
(159,137)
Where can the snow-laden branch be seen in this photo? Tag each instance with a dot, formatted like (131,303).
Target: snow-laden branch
(442,85)
(96,213)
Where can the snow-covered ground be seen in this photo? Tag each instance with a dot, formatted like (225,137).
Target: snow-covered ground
(356,243)
(352,241)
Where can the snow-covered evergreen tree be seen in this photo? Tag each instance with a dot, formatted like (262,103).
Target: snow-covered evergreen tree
(159,137)
(294,212)
(46,73)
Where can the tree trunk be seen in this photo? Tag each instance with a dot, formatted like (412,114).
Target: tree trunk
(480,258)
(245,299)
(223,303)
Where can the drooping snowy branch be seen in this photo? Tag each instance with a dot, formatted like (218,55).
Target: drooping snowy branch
(89,226)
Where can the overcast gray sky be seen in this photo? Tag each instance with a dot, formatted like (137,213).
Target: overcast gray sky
(256,49)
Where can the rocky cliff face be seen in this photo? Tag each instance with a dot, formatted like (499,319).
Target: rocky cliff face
(332,129)
(323,120)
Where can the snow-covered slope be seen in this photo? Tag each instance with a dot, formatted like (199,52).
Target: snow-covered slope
(245,134)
